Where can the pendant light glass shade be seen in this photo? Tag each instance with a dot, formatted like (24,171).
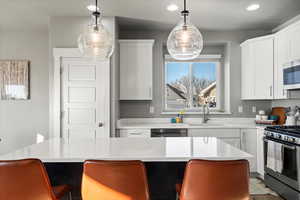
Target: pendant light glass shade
(96,41)
(185,41)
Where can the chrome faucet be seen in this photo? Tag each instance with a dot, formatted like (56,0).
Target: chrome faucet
(205,112)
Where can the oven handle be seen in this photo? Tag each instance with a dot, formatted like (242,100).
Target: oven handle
(291,147)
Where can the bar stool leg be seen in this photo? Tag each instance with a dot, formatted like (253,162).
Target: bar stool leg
(70,196)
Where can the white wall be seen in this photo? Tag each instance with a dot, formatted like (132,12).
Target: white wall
(20,121)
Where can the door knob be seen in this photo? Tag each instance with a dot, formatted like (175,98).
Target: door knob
(100,124)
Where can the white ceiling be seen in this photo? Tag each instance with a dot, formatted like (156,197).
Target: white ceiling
(206,14)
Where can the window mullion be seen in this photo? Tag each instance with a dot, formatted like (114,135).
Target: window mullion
(191,85)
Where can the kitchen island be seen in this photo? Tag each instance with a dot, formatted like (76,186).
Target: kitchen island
(165,158)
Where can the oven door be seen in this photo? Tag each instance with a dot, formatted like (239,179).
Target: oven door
(291,76)
(290,156)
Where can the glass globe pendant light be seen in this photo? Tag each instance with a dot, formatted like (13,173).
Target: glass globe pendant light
(185,41)
(96,41)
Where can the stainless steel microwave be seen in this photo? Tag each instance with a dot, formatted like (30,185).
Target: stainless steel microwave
(291,76)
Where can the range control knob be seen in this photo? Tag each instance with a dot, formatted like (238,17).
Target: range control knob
(278,136)
(291,139)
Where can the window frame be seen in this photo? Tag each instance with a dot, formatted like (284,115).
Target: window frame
(212,58)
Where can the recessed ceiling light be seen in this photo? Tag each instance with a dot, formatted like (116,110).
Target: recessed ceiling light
(172,7)
(92,8)
(253,7)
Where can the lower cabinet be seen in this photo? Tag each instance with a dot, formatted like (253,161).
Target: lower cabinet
(260,152)
(249,145)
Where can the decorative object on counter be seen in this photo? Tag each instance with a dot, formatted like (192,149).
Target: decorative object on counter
(265,122)
(179,118)
(263,119)
(258,117)
(185,41)
(173,120)
(281,113)
(96,41)
(274,117)
(14,79)
(291,116)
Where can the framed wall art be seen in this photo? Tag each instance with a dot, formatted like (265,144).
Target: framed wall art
(14,80)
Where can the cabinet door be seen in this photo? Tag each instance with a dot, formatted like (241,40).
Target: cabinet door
(249,145)
(136,70)
(295,42)
(282,56)
(263,57)
(247,88)
(260,152)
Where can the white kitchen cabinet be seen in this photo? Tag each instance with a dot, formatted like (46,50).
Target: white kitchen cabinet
(294,41)
(260,152)
(281,58)
(249,145)
(257,68)
(248,76)
(145,133)
(136,60)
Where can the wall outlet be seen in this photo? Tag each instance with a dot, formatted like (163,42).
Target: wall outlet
(151,109)
(254,109)
(240,109)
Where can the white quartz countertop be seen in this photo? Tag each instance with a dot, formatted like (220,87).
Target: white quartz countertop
(145,149)
(185,125)
(189,123)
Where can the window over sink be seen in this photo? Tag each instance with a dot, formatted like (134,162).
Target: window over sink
(188,85)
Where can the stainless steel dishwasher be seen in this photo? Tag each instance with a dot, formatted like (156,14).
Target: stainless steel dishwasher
(174,132)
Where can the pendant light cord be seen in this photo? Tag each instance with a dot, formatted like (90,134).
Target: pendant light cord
(185,12)
(96,14)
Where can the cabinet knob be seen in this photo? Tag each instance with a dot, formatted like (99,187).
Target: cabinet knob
(100,124)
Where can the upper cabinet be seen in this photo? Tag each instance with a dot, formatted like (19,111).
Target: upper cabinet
(257,68)
(281,58)
(136,63)
(263,61)
(294,40)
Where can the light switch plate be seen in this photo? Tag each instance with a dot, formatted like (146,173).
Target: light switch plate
(151,109)
(254,109)
(240,109)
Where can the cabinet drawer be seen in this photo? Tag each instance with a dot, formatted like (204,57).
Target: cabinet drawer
(219,133)
(135,133)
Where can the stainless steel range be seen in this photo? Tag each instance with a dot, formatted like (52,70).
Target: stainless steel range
(282,160)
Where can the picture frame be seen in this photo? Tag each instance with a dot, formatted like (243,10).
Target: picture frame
(14,79)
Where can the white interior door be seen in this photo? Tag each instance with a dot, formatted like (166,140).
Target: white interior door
(85,98)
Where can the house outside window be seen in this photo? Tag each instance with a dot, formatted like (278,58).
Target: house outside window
(191,84)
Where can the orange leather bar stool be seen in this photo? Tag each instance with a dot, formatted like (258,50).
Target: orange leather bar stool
(114,180)
(27,180)
(215,180)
